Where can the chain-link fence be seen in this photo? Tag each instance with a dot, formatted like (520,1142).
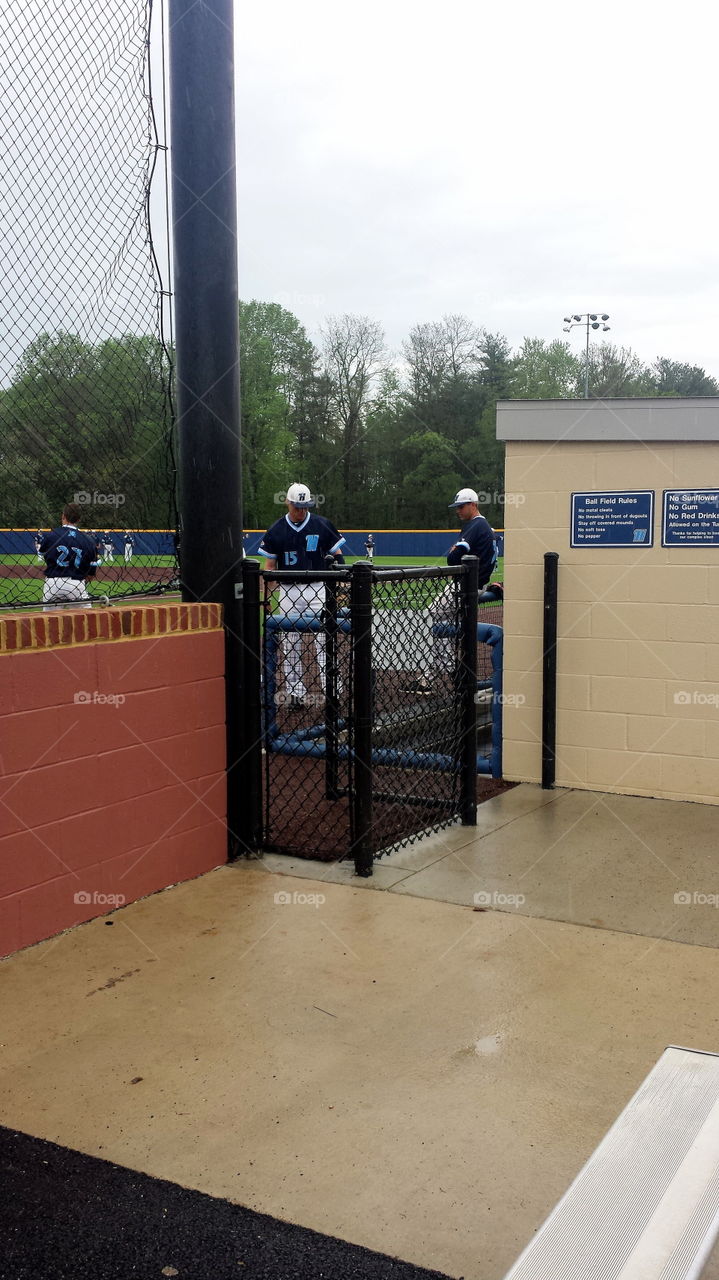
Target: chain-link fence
(307,714)
(85,403)
(366,707)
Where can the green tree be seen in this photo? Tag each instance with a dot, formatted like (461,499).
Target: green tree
(544,370)
(355,356)
(84,419)
(616,373)
(672,378)
(280,404)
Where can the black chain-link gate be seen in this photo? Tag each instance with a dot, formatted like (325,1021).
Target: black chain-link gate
(361,729)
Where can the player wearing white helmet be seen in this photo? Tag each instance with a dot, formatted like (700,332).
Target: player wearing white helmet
(477,535)
(476,539)
(301,540)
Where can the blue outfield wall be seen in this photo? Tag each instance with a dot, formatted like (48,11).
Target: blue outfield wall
(148,542)
(430,543)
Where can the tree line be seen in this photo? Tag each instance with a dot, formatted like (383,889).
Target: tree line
(383,437)
(387,437)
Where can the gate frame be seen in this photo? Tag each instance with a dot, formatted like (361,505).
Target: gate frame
(361,576)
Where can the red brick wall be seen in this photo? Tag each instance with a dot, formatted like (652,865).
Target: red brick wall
(112,759)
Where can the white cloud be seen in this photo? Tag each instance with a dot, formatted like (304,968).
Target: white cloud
(512,162)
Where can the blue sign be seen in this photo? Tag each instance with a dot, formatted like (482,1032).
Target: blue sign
(623,518)
(690,518)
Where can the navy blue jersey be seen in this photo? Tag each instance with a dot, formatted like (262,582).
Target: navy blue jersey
(68,553)
(476,539)
(301,546)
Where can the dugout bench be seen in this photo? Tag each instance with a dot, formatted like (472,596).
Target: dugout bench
(646,1204)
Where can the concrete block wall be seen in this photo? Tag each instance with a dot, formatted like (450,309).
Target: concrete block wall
(112,760)
(638,647)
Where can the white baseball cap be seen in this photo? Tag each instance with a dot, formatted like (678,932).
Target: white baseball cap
(464,495)
(299,495)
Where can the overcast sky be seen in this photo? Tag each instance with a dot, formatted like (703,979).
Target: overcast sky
(512,162)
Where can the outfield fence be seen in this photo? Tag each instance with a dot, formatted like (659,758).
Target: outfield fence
(371,707)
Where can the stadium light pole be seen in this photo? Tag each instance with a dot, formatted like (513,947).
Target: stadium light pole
(590,320)
(206,308)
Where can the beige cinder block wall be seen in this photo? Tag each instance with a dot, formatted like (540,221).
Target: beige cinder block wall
(638,627)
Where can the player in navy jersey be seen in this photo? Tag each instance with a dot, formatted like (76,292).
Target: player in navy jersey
(477,536)
(477,539)
(301,540)
(70,558)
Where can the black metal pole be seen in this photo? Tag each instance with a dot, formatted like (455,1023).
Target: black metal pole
(250,814)
(549,671)
(331,710)
(204,230)
(361,635)
(467,681)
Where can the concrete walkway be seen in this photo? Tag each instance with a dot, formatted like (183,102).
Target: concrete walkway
(407,1073)
(626,863)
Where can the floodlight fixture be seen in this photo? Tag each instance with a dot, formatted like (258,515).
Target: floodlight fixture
(590,320)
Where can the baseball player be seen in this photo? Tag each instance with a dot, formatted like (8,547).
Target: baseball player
(301,540)
(70,558)
(477,539)
(37,540)
(477,536)
(109,550)
(369,546)
(129,543)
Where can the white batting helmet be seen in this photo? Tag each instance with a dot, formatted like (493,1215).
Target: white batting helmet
(299,495)
(463,496)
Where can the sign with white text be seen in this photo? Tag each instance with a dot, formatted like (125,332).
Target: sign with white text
(623,518)
(690,518)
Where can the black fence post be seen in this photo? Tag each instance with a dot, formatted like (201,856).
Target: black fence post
(549,671)
(249,778)
(361,634)
(332,791)
(467,676)
(207,368)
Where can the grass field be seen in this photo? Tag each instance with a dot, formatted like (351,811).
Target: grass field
(159,561)
(28,591)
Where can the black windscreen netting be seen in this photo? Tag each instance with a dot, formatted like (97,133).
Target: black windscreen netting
(85,371)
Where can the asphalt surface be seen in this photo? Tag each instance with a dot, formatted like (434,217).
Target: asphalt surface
(67,1216)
